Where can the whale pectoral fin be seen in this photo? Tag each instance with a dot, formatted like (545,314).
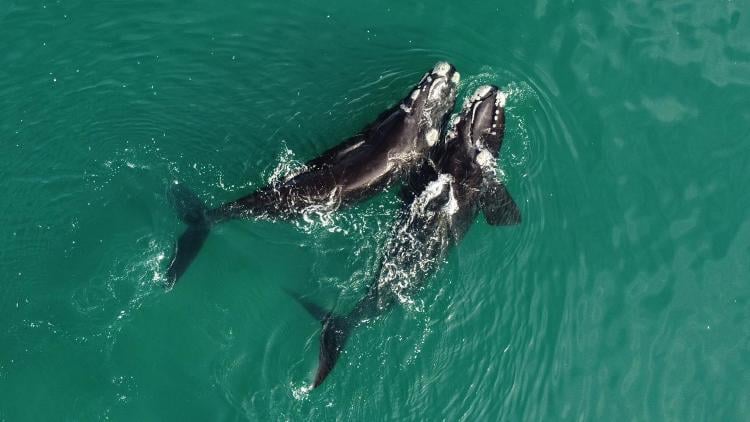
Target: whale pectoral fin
(499,207)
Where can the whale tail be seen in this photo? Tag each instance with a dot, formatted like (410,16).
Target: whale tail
(191,211)
(336,330)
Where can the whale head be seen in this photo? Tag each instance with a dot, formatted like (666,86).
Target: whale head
(473,139)
(481,123)
(430,103)
(472,146)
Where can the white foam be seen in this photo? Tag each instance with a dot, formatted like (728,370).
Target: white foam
(432,191)
(301,393)
(485,158)
(452,206)
(436,90)
(432,136)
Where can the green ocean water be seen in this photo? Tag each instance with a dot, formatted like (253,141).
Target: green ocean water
(624,295)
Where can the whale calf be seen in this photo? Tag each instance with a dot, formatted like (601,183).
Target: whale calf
(446,195)
(385,151)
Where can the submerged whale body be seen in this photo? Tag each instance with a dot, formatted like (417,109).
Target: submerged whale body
(385,151)
(445,195)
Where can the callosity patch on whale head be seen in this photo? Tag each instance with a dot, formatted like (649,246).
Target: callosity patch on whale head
(443,79)
(443,69)
(483,92)
(432,101)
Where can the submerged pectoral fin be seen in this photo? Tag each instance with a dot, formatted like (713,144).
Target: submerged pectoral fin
(498,206)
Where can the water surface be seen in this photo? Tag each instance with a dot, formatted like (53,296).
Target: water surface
(622,296)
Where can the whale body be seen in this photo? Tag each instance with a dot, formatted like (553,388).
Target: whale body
(444,198)
(385,151)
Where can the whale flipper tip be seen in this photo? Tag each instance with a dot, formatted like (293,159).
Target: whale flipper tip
(498,206)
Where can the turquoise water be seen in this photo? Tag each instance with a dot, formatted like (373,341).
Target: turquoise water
(622,296)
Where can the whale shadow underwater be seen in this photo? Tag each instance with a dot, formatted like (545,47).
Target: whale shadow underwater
(382,153)
(442,200)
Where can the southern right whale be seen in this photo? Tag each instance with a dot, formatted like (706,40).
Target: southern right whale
(446,195)
(384,151)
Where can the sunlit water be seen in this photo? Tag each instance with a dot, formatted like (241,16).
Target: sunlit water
(622,296)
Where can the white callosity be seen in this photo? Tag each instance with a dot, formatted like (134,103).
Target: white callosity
(500,99)
(437,88)
(442,69)
(440,89)
(481,92)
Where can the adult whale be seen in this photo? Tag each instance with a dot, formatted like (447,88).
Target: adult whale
(384,151)
(447,194)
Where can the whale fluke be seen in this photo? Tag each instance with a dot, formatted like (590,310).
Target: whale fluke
(313,309)
(335,332)
(191,211)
